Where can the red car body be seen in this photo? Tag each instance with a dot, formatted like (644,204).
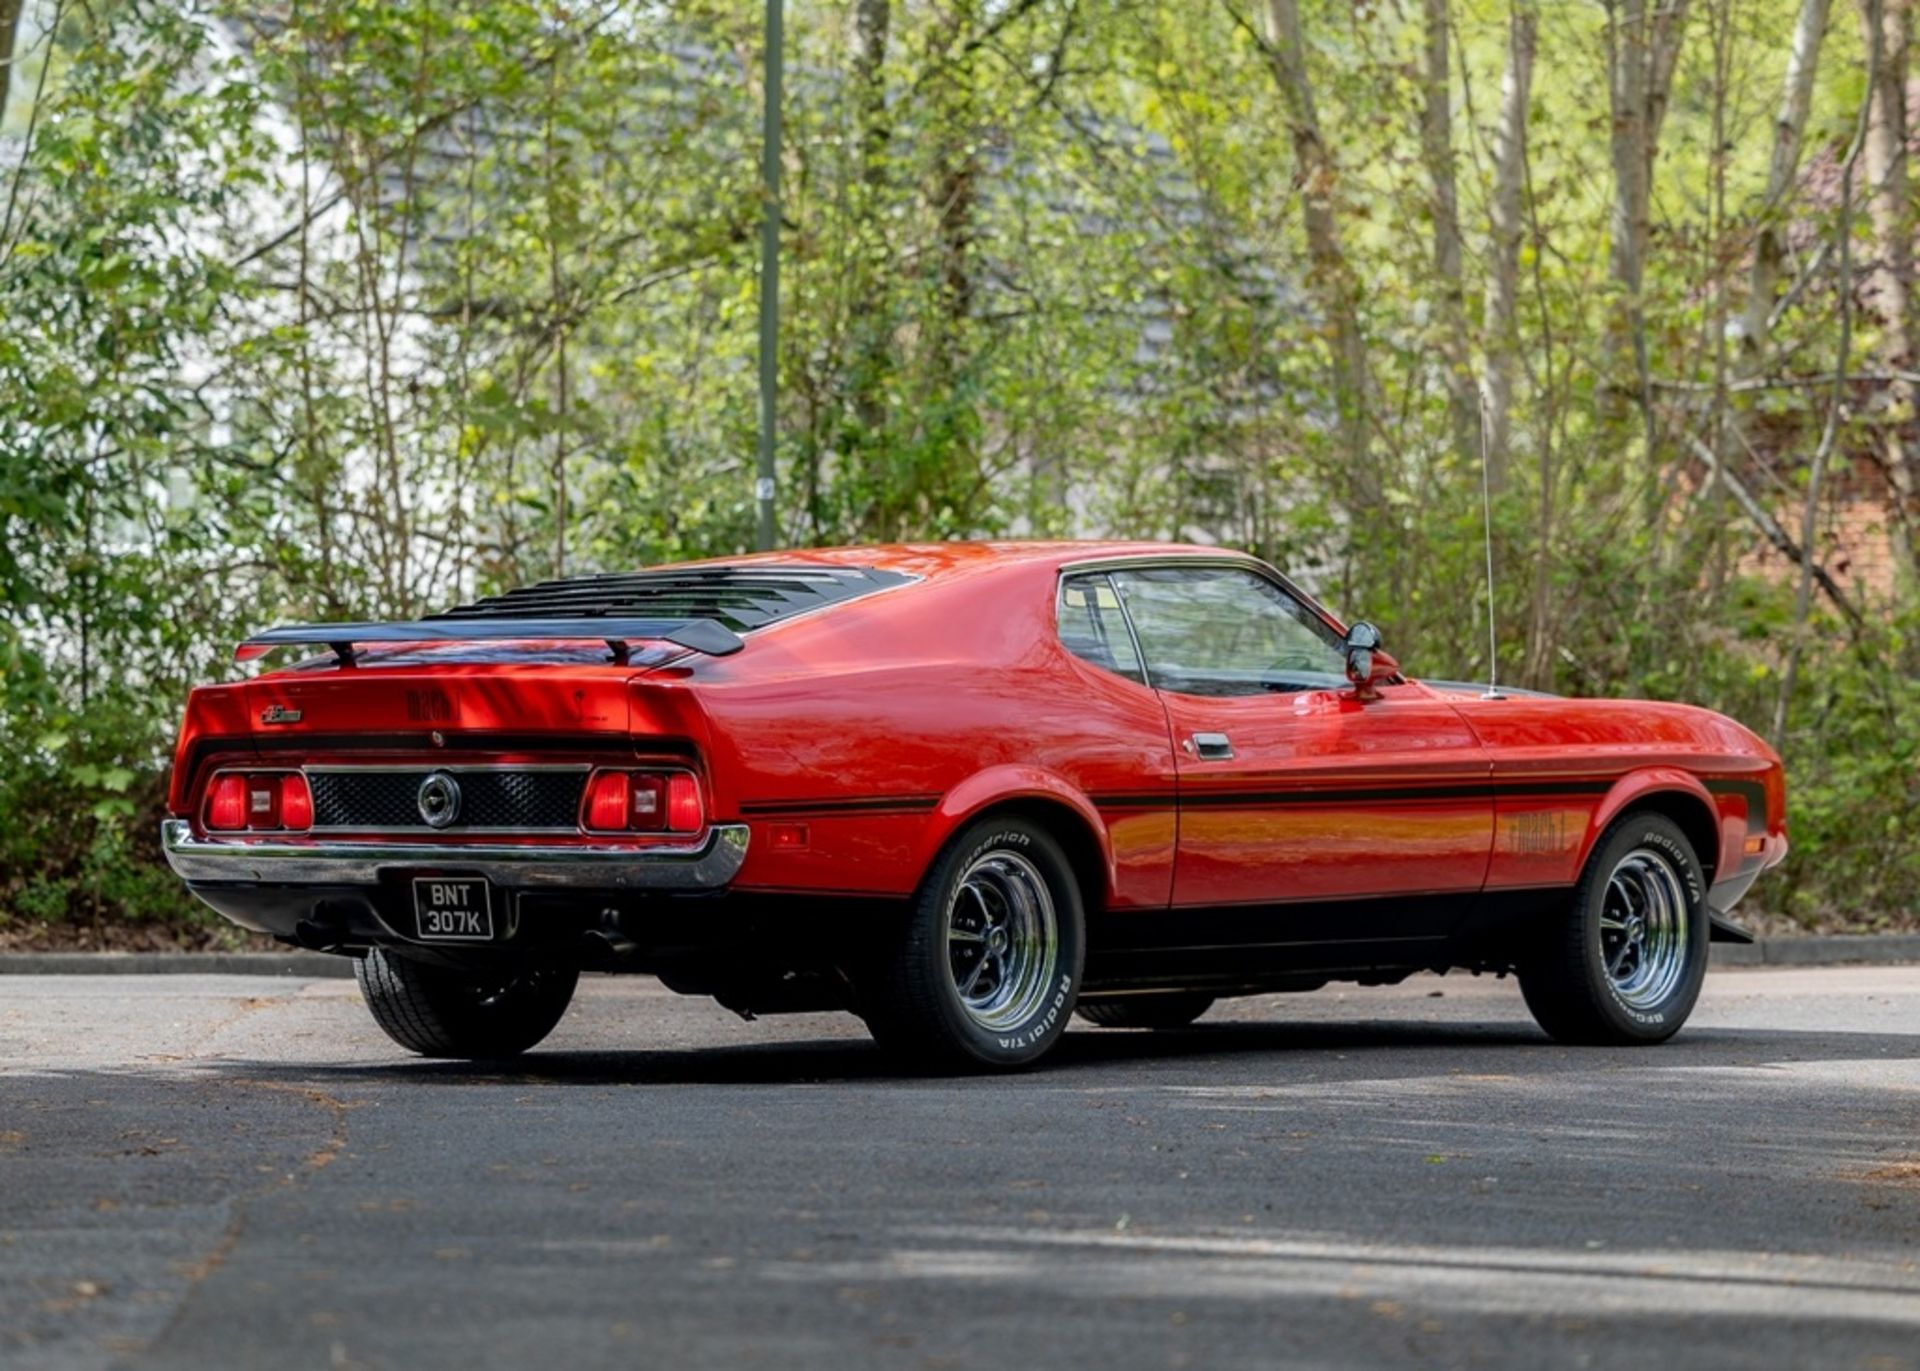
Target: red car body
(1353,832)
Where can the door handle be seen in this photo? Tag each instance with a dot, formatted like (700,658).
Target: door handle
(1210,747)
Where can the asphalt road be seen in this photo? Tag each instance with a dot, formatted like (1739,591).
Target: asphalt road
(220,1171)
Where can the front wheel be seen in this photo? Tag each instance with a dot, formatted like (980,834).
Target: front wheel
(1627,964)
(440,1012)
(986,968)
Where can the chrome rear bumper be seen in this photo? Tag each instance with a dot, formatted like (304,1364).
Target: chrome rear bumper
(706,865)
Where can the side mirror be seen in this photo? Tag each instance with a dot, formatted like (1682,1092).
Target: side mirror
(1367,663)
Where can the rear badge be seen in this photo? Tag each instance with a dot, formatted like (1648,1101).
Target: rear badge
(439,800)
(279,714)
(430,706)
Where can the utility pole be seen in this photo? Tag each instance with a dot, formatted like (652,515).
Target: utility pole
(763,487)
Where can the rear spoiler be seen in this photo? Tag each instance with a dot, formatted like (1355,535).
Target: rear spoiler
(701,635)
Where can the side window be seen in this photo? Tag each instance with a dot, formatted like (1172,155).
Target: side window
(1224,631)
(1093,628)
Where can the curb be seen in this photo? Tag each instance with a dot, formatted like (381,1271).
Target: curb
(1836,949)
(305,964)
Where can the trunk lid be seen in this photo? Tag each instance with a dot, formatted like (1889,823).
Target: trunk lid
(449,703)
(466,698)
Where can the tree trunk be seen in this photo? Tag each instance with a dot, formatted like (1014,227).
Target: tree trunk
(10,12)
(1668,18)
(1890,281)
(1436,148)
(956,170)
(949,459)
(1643,50)
(1769,239)
(1332,280)
(1789,128)
(872,26)
(1501,321)
(1627,95)
(870,318)
(1836,405)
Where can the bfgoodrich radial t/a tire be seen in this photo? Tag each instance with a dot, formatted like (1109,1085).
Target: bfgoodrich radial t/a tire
(985,970)
(440,1012)
(1626,966)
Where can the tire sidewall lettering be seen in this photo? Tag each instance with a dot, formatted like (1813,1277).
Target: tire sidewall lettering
(1009,838)
(1048,1019)
(1042,1024)
(1684,862)
(1686,866)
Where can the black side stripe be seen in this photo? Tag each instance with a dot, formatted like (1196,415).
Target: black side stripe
(1755,795)
(1752,792)
(1370,794)
(861,804)
(1145,800)
(1154,799)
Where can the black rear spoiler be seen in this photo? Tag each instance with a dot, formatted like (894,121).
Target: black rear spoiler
(701,635)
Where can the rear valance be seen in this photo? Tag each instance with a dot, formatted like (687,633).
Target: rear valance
(701,635)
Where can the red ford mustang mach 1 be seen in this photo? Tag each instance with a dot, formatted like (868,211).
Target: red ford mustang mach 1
(962,790)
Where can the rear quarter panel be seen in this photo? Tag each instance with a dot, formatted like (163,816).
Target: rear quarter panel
(884,726)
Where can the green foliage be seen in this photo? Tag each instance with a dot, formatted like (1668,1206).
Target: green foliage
(345,309)
(83,795)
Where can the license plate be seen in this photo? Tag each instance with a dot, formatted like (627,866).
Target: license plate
(452,909)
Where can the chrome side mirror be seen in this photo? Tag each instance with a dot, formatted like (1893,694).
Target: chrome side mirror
(1367,664)
(1363,640)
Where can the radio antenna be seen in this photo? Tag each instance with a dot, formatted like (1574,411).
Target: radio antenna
(1486,535)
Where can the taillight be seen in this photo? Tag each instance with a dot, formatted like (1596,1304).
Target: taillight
(683,803)
(607,801)
(644,802)
(296,802)
(227,802)
(263,801)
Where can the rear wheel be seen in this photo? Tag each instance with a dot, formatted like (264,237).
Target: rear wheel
(1173,1009)
(1626,966)
(986,968)
(440,1012)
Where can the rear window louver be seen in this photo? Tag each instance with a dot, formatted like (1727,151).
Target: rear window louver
(739,598)
(701,608)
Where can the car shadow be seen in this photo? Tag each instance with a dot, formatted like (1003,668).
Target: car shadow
(1091,1058)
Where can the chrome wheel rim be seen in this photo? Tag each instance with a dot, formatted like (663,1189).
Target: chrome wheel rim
(1643,929)
(1002,939)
